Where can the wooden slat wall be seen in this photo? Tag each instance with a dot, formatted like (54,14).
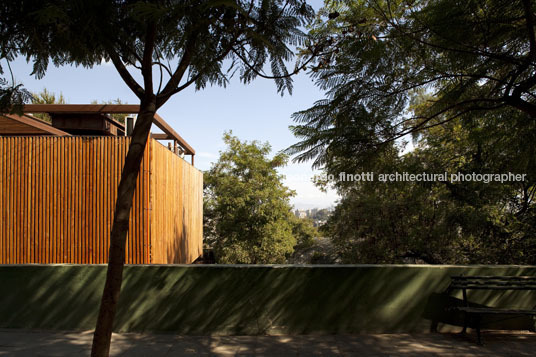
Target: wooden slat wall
(57,197)
(176,199)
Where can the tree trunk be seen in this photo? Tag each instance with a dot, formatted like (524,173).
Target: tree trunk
(125,193)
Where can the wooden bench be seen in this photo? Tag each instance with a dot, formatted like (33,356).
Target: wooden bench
(465,283)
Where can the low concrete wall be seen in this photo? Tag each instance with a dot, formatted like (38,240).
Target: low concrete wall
(220,299)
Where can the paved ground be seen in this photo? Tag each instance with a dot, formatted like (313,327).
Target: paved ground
(47,343)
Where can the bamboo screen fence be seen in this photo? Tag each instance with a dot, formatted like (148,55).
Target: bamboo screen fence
(57,198)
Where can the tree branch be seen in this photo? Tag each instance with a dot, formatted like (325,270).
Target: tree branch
(161,65)
(125,75)
(147,60)
(529,17)
(523,105)
(470,49)
(175,79)
(420,126)
(186,85)
(252,67)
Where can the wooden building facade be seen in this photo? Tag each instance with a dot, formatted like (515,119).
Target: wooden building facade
(57,199)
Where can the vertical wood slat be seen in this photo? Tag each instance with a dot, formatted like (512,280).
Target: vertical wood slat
(78,199)
(11,183)
(152,227)
(16,178)
(2,202)
(66,193)
(9,198)
(18,208)
(176,202)
(54,199)
(3,245)
(48,182)
(85,213)
(57,197)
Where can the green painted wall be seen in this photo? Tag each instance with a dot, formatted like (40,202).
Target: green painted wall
(251,299)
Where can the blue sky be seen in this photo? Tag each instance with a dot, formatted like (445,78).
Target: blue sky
(253,112)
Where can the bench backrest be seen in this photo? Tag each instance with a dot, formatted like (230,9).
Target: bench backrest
(493,282)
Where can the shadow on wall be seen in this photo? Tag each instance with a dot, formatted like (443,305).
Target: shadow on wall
(178,247)
(50,296)
(218,299)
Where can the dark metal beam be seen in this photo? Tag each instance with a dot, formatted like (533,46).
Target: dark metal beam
(161,136)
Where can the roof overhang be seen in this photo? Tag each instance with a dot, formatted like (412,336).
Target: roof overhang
(37,125)
(169,133)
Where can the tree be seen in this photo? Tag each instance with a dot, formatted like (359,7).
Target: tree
(472,56)
(444,221)
(394,222)
(304,231)
(248,218)
(185,42)
(460,78)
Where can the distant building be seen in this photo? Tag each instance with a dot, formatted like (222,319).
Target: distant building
(318,216)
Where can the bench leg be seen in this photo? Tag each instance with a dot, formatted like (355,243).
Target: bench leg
(465,322)
(477,319)
(433,327)
(466,314)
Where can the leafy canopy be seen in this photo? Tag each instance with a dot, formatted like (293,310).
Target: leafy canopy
(460,78)
(445,222)
(247,214)
(468,56)
(184,42)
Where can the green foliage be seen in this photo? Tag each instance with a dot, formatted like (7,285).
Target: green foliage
(459,78)
(12,97)
(188,40)
(444,221)
(46,97)
(247,214)
(473,56)
(304,231)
